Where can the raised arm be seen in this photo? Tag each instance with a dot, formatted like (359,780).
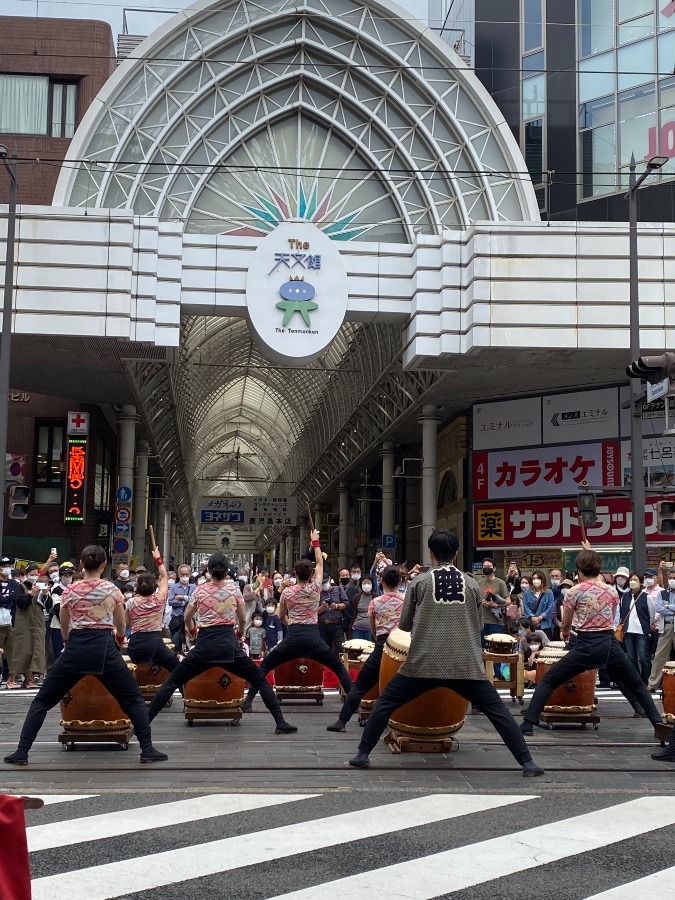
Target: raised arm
(316,544)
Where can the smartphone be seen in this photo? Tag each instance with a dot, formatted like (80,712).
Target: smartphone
(53,551)
(42,587)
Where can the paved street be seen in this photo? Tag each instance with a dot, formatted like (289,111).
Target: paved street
(240,812)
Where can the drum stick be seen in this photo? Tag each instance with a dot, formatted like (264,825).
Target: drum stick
(153,542)
(583,530)
(311,520)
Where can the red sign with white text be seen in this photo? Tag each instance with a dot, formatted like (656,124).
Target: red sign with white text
(545,471)
(554,523)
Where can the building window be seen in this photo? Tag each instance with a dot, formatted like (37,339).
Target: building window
(598,161)
(534,157)
(637,121)
(49,461)
(36,104)
(533,30)
(103,478)
(596,26)
(596,77)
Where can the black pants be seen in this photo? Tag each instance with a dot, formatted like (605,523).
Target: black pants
(481,694)
(216,647)
(302,640)
(88,652)
(149,647)
(175,623)
(333,634)
(594,650)
(367,679)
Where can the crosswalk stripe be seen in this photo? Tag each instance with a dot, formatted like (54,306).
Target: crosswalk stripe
(50,799)
(658,884)
(145,818)
(159,869)
(456,870)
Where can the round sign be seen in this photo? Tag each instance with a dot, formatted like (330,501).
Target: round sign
(121,545)
(225,539)
(123,494)
(122,514)
(296,293)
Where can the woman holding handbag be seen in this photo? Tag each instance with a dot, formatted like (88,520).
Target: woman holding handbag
(637,614)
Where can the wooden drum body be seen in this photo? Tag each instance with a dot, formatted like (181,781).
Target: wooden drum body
(149,677)
(299,679)
(215,694)
(90,714)
(668,689)
(369,699)
(502,644)
(430,719)
(576,695)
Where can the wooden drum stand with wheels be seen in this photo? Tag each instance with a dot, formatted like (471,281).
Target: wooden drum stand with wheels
(91,715)
(572,702)
(215,694)
(501,650)
(299,679)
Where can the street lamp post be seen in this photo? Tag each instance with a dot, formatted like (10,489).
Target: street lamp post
(6,338)
(638,496)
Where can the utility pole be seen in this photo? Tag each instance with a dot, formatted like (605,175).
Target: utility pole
(6,338)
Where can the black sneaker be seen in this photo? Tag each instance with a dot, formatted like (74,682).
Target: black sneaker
(152,756)
(532,770)
(336,726)
(246,706)
(665,754)
(526,728)
(17,758)
(360,761)
(285,728)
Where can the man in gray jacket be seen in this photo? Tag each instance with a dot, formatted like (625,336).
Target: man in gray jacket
(444,611)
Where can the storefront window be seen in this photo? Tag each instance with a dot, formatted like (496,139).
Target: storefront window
(598,161)
(635,64)
(102,478)
(596,77)
(534,149)
(596,26)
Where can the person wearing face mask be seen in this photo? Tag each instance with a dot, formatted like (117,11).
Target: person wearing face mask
(532,640)
(277,587)
(665,609)
(274,632)
(28,653)
(65,578)
(122,578)
(360,604)
(331,613)
(10,591)
(538,603)
(179,597)
(255,637)
(589,611)
(637,612)
(495,594)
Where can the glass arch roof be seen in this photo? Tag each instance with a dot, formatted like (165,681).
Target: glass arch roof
(236,115)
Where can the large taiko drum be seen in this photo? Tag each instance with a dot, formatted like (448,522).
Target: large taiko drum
(433,716)
(299,679)
(503,644)
(575,696)
(668,688)
(149,676)
(369,699)
(90,712)
(215,694)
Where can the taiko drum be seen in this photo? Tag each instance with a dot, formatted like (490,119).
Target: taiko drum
(149,676)
(215,693)
(575,696)
(299,676)
(668,689)
(436,714)
(90,708)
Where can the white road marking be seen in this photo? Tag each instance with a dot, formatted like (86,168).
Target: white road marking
(185,863)
(651,887)
(465,867)
(146,818)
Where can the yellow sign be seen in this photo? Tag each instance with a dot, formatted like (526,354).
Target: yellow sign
(490,525)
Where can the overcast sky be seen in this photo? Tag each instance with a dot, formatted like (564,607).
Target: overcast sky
(140,21)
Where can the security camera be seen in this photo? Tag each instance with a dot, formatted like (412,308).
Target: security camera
(4,152)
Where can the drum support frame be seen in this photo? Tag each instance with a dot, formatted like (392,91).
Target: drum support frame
(516,685)
(579,718)
(69,738)
(401,743)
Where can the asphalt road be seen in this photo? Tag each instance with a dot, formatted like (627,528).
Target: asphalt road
(240,812)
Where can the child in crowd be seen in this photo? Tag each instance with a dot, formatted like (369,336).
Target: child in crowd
(272,625)
(255,638)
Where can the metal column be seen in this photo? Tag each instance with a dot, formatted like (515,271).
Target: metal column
(343,534)
(429,421)
(388,524)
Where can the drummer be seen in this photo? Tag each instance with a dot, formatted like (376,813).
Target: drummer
(384,613)
(443,610)
(145,615)
(299,610)
(588,612)
(218,605)
(93,626)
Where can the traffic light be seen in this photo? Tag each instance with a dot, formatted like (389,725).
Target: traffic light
(586,507)
(665,517)
(18,501)
(653,368)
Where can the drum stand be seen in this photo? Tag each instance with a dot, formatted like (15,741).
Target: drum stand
(515,663)
(578,718)
(401,743)
(68,739)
